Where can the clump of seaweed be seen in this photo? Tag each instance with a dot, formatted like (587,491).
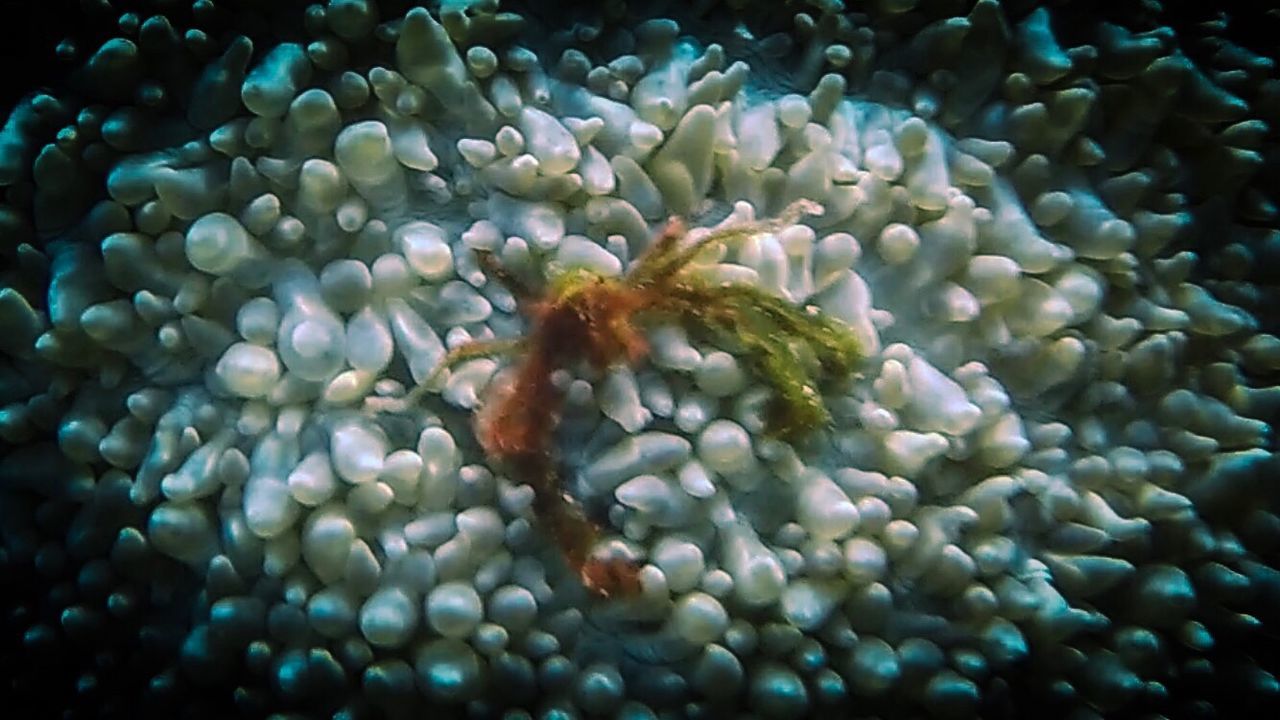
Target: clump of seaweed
(582,315)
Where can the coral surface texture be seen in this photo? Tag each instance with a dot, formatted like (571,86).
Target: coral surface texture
(639,359)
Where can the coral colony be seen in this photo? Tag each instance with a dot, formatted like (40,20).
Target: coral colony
(736,359)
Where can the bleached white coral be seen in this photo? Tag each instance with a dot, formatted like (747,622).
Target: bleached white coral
(1056,452)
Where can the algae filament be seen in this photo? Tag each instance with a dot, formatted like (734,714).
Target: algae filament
(585,316)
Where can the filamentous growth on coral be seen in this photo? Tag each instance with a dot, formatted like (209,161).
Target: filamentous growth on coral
(745,359)
(591,318)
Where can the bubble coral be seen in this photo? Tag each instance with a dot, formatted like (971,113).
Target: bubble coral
(1048,244)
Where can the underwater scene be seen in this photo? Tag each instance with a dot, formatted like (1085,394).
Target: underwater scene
(635,359)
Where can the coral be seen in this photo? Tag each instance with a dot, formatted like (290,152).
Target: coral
(328,334)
